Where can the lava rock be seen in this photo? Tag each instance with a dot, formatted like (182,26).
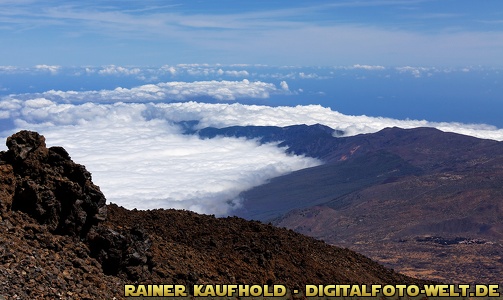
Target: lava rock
(49,186)
(124,253)
(7,186)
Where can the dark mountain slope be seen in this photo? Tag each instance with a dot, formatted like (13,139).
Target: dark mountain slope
(321,184)
(428,148)
(361,161)
(401,196)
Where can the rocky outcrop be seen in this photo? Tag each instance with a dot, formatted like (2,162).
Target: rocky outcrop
(49,186)
(59,195)
(122,252)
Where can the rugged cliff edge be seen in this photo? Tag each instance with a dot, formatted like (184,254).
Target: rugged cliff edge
(59,240)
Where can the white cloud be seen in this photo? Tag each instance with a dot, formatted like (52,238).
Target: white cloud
(192,65)
(167,91)
(140,159)
(51,69)
(284,85)
(39,110)
(415,71)
(8,69)
(308,76)
(201,71)
(169,69)
(118,70)
(89,70)
(10,105)
(220,72)
(367,67)
(242,73)
(4,114)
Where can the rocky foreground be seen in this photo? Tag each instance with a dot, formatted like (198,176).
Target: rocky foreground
(59,239)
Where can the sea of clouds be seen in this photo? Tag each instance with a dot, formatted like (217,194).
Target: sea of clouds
(130,140)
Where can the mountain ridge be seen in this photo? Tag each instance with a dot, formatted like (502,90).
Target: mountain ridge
(393,195)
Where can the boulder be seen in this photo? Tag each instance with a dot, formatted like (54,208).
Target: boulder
(49,186)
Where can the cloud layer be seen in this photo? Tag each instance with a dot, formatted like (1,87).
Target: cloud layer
(141,160)
(138,156)
(165,91)
(222,115)
(43,111)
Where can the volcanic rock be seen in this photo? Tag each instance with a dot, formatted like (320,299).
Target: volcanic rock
(50,187)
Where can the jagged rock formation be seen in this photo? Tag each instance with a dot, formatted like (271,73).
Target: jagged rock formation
(46,185)
(50,187)
(58,239)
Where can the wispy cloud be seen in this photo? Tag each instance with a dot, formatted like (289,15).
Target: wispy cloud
(9,69)
(312,34)
(438,15)
(496,22)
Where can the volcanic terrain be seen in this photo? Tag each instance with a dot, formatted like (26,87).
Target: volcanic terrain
(59,239)
(425,202)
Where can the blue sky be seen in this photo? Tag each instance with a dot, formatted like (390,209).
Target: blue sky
(322,33)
